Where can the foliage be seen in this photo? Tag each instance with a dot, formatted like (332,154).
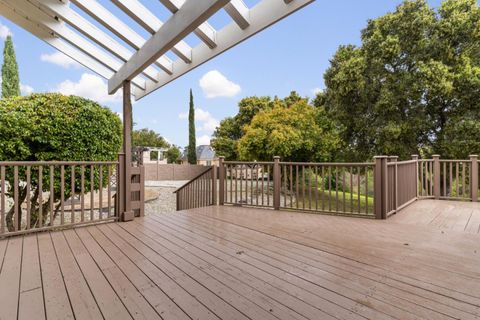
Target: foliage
(412,86)
(47,127)
(148,138)
(226,136)
(173,154)
(10,77)
(295,133)
(192,143)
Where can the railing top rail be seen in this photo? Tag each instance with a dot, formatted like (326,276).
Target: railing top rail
(195,178)
(54,163)
(425,160)
(406,162)
(249,162)
(454,160)
(331,164)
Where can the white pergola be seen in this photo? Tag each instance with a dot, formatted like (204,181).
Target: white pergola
(91,34)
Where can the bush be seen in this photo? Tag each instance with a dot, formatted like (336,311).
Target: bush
(47,127)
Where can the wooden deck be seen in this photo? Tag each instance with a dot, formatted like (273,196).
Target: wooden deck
(238,263)
(444,215)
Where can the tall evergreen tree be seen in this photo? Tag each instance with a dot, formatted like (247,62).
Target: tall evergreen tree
(10,77)
(192,150)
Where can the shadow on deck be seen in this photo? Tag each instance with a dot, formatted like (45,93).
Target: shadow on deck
(238,263)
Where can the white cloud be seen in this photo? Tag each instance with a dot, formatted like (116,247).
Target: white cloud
(60,59)
(4,31)
(205,121)
(214,84)
(203,140)
(316,91)
(25,89)
(89,86)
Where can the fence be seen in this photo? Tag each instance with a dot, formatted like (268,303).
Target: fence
(378,189)
(198,192)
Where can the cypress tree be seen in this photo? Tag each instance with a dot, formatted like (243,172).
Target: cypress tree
(192,150)
(10,77)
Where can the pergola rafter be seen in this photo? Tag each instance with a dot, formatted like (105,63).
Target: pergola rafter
(64,25)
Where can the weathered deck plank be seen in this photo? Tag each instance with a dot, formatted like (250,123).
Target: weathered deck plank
(57,302)
(31,304)
(239,263)
(10,279)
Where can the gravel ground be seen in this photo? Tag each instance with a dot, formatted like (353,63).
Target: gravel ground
(164,200)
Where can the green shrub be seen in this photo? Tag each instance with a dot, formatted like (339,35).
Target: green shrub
(47,127)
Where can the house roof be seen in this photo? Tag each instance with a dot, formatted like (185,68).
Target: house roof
(68,26)
(204,152)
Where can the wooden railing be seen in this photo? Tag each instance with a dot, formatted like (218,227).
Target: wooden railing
(377,189)
(401,184)
(198,192)
(337,188)
(36,196)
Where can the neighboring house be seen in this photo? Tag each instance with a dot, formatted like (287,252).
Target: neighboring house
(205,156)
(151,155)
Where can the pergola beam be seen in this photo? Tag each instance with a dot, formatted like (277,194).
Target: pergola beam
(205,31)
(120,29)
(152,24)
(60,45)
(239,12)
(37,29)
(262,16)
(188,18)
(64,12)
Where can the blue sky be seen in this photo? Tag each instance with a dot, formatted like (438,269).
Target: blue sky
(291,55)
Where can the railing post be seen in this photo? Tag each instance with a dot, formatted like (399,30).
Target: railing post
(395,181)
(474,178)
(276,183)
(214,185)
(380,187)
(436,176)
(221,181)
(415,158)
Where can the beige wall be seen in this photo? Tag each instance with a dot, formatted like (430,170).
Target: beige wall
(172,171)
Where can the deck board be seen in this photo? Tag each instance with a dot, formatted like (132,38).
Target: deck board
(10,279)
(56,299)
(240,263)
(31,304)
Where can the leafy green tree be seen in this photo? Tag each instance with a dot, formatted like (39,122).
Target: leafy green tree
(47,127)
(148,138)
(231,129)
(411,84)
(192,141)
(10,77)
(299,132)
(173,154)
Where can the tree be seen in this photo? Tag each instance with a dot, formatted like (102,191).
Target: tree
(231,129)
(192,143)
(415,77)
(299,132)
(10,77)
(47,127)
(173,154)
(148,138)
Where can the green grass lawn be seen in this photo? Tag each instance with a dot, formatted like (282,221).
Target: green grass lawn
(349,205)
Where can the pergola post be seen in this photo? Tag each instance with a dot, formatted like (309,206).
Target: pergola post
(125,158)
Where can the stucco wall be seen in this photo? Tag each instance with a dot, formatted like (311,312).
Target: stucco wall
(172,171)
